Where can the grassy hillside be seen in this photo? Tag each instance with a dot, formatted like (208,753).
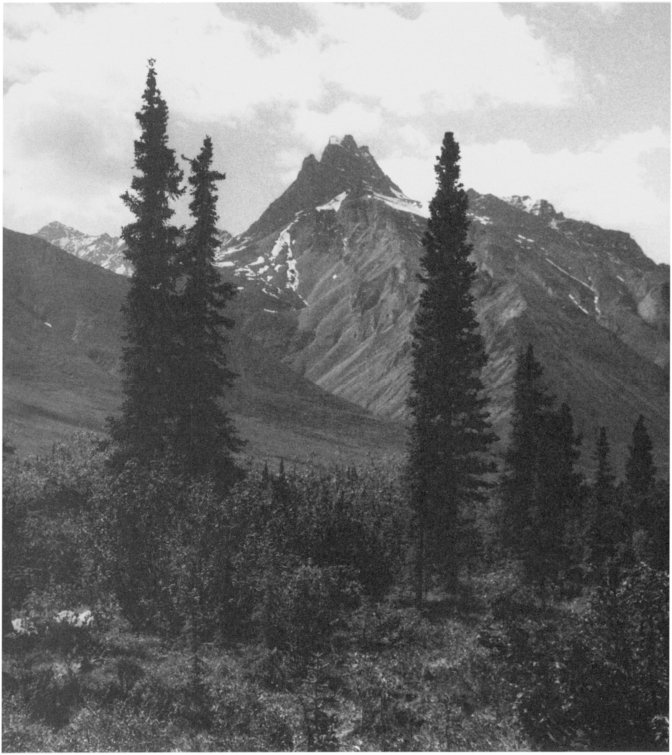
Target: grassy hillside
(62,340)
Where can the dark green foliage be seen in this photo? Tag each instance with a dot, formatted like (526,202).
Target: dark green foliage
(594,680)
(203,435)
(287,534)
(449,434)
(646,501)
(150,358)
(47,524)
(541,492)
(267,633)
(531,406)
(165,544)
(604,532)
(640,473)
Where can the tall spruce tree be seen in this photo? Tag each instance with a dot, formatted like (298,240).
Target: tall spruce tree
(150,356)
(450,430)
(204,436)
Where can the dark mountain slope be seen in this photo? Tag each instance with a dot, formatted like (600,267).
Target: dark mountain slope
(62,327)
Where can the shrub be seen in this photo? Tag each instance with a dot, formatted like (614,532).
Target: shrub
(594,680)
(48,539)
(301,605)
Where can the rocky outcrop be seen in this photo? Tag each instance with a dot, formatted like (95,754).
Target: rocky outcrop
(104,250)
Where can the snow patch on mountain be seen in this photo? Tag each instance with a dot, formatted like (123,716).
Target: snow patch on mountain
(562,270)
(482,219)
(576,302)
(333,204)
(403,204)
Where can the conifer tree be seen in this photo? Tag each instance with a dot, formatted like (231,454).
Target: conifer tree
(450,430)
(541,491)
(560,494)
(149,358)
(601,531)
(640,473)
(204,437)
(647,502)
(532,405)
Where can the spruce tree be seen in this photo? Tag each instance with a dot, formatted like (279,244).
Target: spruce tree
(560,493)
(541,491)
(149,358)
(204,437)
(647,502)
(532,405)
(640,472)
(450,429)
(603,527)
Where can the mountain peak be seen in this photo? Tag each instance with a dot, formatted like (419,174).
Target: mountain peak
(540,207)
(343,167)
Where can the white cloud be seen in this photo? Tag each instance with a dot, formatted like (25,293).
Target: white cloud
(315,128)
(452,57)
(75,81)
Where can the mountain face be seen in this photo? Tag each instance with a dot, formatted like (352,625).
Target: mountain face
(104,250)
(327,281)
(61,348)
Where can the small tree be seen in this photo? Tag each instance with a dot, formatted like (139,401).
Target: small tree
(149,359)
(204,437)
(604,522)
(532,405)
(640,472)
(647,502)
(560,494)
(541,491)
(450,431)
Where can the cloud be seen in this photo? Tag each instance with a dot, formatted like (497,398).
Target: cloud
(607,184)
(315,128)
(74,80)
(452,57)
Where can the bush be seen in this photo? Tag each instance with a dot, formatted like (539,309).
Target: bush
(48,540)
(301,605)
(595,680)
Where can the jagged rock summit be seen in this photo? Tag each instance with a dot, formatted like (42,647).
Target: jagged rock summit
(104,250)
(344,169)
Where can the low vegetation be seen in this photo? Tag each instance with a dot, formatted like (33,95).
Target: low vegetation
(143,612)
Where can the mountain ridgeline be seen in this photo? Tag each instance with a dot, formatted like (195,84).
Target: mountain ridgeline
(327,280)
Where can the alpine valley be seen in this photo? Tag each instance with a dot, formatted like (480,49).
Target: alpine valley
(328,288)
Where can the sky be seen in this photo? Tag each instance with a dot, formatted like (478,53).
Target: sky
(568,102)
